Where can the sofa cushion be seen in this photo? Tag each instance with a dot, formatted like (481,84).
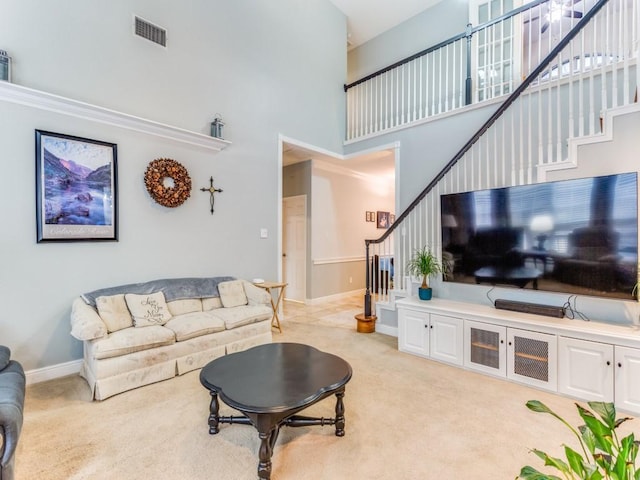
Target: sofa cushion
(187,305)
(243,315)
(148,310)
(131,340)
(194,324)
(114,312)
(232,294)
(210,303)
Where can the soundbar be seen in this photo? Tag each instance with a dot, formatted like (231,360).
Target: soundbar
(534,308)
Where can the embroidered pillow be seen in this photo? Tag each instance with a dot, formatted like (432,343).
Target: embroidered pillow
(114,312)
(148,310)
(232,294)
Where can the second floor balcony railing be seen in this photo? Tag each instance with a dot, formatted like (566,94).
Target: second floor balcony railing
(483,62)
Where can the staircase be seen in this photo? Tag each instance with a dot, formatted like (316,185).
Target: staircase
(570,99)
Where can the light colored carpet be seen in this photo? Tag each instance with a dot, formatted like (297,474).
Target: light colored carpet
(406,418)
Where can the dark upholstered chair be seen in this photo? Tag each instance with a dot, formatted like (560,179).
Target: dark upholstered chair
(592,259)
(12,387)
(493,247)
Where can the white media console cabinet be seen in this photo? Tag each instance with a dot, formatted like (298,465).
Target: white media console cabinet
(581,359)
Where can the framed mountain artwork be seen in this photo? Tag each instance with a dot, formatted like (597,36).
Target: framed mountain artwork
(76,188)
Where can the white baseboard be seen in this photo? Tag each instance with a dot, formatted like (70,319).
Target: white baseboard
(387,330)
(337,296)
(54,371)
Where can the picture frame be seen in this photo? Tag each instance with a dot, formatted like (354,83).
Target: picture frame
(76,188)
(382,219)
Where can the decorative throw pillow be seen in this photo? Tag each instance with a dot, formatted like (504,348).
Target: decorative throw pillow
(114,312)
(148,310)
(232,294)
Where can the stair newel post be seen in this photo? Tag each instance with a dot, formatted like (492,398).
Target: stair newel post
(366,322)
(467,86)
(367,292)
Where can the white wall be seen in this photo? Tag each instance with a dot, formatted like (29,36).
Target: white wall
(425,149)
(339,203)
(268,67)
(440,22)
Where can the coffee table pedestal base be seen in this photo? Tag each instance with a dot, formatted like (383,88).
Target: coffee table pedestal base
(268,426)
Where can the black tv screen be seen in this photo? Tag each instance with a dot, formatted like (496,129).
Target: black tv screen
(575,236)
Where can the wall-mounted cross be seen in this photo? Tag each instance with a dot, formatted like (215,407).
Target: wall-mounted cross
(211,191)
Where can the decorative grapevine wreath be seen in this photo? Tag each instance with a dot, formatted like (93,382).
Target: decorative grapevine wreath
(160,169)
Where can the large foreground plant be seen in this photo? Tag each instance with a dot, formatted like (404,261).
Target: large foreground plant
(603,455)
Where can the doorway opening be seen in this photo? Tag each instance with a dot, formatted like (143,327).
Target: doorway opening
(326,199)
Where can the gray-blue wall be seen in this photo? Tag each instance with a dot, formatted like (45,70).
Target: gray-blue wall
(269,68)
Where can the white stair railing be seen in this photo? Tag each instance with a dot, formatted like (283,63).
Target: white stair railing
(482,63)
(565,99)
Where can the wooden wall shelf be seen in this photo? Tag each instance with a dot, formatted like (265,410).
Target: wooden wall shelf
(10,92)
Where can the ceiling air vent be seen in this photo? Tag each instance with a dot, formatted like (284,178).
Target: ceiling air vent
(150,31)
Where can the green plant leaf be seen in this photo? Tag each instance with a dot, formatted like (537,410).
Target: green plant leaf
(588,438)
(606,411)
(593,473)
(538,406)
(624,466)
(549,461)
(576,462)
(603,460)
(603,435)
(621,420)
(605,457)
(633,448)
(530,473)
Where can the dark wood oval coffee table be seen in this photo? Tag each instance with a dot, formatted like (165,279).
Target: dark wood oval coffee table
(269,384)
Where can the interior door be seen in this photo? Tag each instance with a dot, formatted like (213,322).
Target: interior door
(294,246)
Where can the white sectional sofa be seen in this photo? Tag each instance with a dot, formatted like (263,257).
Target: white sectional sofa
(142,333)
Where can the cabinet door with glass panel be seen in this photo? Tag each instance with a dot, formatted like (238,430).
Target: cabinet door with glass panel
(532,358)
(485,348)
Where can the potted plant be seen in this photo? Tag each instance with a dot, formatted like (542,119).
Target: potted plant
(602,454)
(424,263)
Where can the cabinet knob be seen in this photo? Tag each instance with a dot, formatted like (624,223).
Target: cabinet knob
(608,362)
(502,341)
(619,364)
(431,326)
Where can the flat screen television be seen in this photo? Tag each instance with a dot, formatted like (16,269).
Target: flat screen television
(576,236)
